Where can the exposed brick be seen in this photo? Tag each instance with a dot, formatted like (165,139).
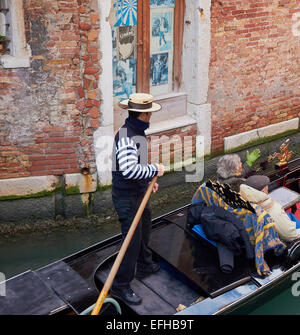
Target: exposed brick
(95,123)
(94,112)
(93,35)
(55,132)
(82,9)
(84,26)
(80,92)
(249,57)
(91,70)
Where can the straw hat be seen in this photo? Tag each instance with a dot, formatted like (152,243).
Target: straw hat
(140,102)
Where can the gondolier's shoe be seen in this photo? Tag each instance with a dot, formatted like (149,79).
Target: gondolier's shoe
(126,294)
(142,273)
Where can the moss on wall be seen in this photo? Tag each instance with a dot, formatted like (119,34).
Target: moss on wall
(44,193)
(262,140)
(72,190)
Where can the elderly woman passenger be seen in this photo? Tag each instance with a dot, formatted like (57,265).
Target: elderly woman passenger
(231,170)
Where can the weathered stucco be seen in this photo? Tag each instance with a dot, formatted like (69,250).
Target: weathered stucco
(49,111)
(195,66)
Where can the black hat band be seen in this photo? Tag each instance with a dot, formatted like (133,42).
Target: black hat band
(139,106)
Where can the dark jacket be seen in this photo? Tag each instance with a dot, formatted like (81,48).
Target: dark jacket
(224,228)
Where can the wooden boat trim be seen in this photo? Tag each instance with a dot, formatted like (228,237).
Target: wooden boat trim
(231,286)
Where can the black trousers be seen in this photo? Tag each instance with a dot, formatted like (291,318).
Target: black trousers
(138,253)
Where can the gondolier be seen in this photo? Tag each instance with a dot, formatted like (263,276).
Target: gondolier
(131,175)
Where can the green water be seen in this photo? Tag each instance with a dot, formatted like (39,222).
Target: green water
(34,250)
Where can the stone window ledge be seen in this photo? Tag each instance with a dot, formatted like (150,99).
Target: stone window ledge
(172,115)
(13,62)
(20,51)
(166,125)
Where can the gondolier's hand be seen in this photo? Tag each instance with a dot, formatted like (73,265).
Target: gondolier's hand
(155,188)
(161,170)
(251,158)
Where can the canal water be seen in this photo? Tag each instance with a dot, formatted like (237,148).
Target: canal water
(283,299)
(26,251)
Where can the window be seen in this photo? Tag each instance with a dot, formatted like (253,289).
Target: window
(15,52)
(147,42)
(4,28)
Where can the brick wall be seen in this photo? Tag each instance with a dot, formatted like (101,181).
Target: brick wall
(48,112)
(173,146)
(254,68)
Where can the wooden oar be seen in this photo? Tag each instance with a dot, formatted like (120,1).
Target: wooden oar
(123,249)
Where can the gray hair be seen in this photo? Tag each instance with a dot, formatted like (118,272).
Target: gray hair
(227,165)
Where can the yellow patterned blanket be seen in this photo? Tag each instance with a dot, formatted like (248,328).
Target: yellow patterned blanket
(259,225)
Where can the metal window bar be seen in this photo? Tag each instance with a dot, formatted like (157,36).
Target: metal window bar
(4,26)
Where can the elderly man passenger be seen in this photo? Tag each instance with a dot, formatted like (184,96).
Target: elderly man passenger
(255,190)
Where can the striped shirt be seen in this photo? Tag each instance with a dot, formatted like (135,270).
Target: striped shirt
(127,158)
(131,172)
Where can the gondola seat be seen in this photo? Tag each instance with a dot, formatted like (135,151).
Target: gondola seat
(199,230)
(226,255)
(294,211)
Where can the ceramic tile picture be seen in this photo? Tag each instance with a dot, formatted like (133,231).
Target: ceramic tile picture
(114,43)
(126,12)
(126,42)
(161,30)
(159,69)
(124,20)
(162,3)
(124,79)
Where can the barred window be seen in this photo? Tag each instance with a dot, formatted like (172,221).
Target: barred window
(4,28)
(14,51)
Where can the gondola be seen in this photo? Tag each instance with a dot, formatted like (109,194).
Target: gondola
(189,282)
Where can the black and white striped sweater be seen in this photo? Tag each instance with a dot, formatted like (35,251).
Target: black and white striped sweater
(130,172)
